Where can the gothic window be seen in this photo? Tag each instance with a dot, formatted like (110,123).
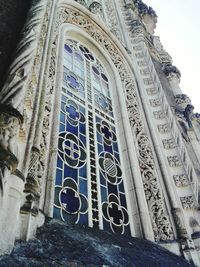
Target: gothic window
(89,179)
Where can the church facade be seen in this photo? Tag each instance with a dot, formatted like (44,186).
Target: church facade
(95,130)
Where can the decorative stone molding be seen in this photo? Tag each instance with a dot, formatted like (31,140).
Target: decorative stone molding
(171,71)
(155,102)
(148,81)
(10,121)
(96,7)
(159,115)
(188,202)
(160,220)
(163,128)
(152,91)
(182,100)
(181,180)
(112,19)
(169,143)
(145,71)
(174,161)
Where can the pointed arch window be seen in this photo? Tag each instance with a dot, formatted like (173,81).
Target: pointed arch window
(89,180)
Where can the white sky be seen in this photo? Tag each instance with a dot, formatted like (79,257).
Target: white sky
(179,30)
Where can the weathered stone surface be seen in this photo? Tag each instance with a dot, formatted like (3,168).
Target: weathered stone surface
(59,244)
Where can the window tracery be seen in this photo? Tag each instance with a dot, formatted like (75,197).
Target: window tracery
(89,171)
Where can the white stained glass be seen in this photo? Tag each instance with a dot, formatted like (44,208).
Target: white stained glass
(67,61)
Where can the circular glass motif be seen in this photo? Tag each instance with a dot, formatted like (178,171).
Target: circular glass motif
(110,168)
(105,130)
(88,55)
(70,201)
(115,214)
(74,116)
(71,150)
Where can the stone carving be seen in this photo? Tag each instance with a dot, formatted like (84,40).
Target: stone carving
(141,63)
(96,7)
(160,221)
(112,19)
(169,143)
(155,102)
(144,9)
(10,121)
(171,71)
(82,2)
(159,115)
(32,185)
(152,91)
(174,161)
(14,90)
(185,115)
(181,180)
(145,71)
(148,81)
(188,202)
(182,100)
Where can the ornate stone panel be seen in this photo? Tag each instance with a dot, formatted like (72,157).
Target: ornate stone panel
(188,202)
(181,180)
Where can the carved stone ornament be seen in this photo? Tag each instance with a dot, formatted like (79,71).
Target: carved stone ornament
(174,161)
(169,143)
(188,202)
(171,71)
(96,7)
(181,230)
(181,180)
(182,100)
(10,121)
(160,220)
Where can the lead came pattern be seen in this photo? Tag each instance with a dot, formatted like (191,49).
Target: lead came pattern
(113,200)
(71,196)
(71,190)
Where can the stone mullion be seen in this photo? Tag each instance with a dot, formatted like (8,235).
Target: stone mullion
(92,152)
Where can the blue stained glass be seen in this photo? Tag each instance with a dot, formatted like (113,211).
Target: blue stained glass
(62,117)
(83,139)
(83,171)
(58,177)
(62,127)
(102,180)
(122,199)
(56,212)
(64,99)
(100,148)
(99,138)
(117,156)
(106,225)
(82,128)
(112,189)
(108,148)
(69,172)
(115,146)
(68,49)
(59,163)
(83,186)
(63,106)
(71,129)
(103,194)
(121,187)
(83,219)
(73,114)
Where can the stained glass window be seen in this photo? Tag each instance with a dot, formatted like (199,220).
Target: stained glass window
(89,180)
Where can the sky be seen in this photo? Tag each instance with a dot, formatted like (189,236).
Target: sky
(179,29)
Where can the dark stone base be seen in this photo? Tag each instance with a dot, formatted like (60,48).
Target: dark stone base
(59,244)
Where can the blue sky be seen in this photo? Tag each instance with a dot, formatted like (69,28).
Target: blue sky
(179,29)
